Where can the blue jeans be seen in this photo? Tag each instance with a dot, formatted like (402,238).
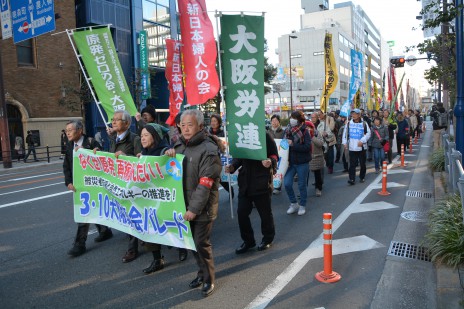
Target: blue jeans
(302,171)
(379,157)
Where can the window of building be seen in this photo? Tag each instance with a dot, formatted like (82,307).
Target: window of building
(25,52)
(156,21)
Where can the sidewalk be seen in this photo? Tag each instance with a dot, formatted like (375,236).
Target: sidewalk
(30,164)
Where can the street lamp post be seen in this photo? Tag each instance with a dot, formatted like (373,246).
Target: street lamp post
(459,107)
(290,70)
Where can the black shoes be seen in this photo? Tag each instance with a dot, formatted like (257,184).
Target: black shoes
(129,256)
(362,180)
(244,248)
(264,246)
(77,250)
(196,282)
(104,236)
(183,254)
(154,266)
(351,182)
(207,289)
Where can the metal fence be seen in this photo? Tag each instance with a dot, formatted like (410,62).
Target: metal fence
(453,166)
(45,153)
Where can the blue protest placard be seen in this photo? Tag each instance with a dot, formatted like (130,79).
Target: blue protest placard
(31,18)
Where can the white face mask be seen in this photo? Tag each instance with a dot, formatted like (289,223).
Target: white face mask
(293,122)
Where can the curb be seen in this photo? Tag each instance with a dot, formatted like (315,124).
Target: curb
(450,294)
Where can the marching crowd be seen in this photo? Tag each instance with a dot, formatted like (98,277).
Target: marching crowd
(316,141)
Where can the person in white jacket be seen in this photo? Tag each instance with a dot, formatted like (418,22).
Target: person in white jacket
(355,139)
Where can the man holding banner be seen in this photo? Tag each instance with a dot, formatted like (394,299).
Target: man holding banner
(76,139)
(202,169)
(124,142)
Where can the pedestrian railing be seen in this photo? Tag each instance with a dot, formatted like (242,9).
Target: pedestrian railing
(45,153)
(453,166)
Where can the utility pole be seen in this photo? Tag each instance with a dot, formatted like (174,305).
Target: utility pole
(445,55)
(4,132)
(459,108)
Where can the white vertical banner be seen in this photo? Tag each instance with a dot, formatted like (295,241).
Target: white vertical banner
(5,15)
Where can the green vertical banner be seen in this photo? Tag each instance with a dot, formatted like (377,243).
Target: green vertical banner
(143,197)
(144,73)
(242,41)
(101,62)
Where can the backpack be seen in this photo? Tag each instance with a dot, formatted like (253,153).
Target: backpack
(442,119)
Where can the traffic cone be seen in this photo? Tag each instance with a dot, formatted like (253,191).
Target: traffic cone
(384,179)
(415,137)
(410,144)
(402,156)
(327,275)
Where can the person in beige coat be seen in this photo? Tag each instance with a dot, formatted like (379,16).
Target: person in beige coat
(316,165)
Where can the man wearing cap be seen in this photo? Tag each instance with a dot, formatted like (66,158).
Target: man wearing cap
(355,138)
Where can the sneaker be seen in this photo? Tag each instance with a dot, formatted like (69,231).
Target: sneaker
(318,192)
(275,191)
(292,208)
(351,182)
(362,180)
(301,210)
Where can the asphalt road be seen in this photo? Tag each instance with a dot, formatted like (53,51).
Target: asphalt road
(37,230)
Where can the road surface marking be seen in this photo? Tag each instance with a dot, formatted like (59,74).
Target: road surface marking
(29,182)
(397,171)
(34,199)
(374,206)
(29,177)
(271,291)
(33,188)
(314,251)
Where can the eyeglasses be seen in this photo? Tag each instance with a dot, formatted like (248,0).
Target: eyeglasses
(70,130)
(114,119)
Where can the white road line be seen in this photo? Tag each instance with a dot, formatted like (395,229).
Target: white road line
(374,207)
(389,185)
(33,188)
(271,291)
(34,199)
(23,178)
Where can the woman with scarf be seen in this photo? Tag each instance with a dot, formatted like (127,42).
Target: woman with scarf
(379,137)
(299,140)
(154,145)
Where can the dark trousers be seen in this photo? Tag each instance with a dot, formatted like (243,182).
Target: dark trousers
(402,141)
(354,157)
(133,244)
(83,231)
(201,232)
(390,151)
(329,157)
(338,148)
(345,162)
(262,203)
(29,150)
(319,179)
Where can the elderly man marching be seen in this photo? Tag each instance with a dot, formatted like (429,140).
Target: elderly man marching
(355,138)
(202,169)
(77,139)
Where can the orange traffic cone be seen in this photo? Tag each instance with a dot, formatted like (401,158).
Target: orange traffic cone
(384,180)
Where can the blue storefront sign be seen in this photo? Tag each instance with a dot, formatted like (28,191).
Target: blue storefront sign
(31,18)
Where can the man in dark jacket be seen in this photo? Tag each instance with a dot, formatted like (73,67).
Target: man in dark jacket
(30,147)
(202,169)
(124,142)
(437,129)
(255,187)
(76,139)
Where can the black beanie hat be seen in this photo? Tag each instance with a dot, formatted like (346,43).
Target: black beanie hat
(151,110)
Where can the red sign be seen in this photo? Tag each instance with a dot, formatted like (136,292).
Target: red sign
(199,52)
(173,75)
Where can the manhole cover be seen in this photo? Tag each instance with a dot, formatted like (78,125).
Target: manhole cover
(417,216)
(413,193)
(408,251)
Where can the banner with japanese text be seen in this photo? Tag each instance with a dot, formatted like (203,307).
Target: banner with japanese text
(331,72)
(242,41)
(173,75)
(145,86)
(101,62)
(199,51)
(355,82)
(142,196)
(368,83)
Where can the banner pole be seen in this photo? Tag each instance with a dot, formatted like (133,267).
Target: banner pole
(69,33)
(223,106)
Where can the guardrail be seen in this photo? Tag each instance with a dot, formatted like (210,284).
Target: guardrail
(453,166)
(43,153)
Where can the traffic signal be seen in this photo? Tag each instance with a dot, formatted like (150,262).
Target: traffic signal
(397,62)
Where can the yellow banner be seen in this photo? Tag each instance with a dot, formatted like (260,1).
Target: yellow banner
(376,97)
(368,84)
(331,73)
